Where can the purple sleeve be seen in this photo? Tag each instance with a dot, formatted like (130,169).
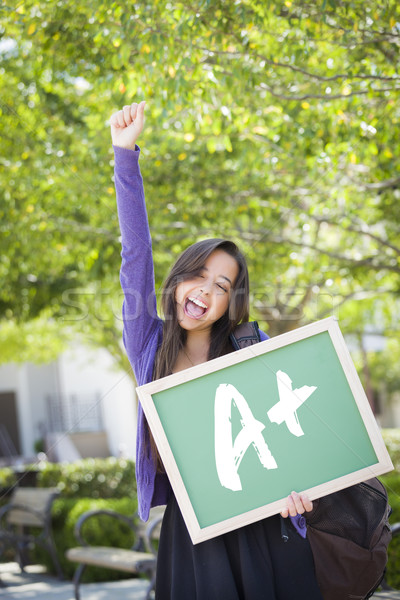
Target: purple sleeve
(137,273)
(299,523)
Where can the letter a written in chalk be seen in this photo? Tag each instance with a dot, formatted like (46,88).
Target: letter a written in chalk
(229,453)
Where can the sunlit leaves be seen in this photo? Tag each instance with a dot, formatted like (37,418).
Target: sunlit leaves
(275,124)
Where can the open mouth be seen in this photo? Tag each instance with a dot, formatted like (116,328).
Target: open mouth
(195,308)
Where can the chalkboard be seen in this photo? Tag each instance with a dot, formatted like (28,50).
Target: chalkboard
(237,434)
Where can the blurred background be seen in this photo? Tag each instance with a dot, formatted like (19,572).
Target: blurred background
(275,124)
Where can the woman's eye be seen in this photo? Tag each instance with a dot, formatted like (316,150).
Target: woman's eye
(222,287)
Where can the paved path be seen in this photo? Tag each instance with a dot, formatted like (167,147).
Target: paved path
(35,584)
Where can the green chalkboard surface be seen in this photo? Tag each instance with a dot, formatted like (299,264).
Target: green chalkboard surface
(287,414)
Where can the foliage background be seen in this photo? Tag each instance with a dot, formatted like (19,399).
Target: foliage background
(273,123)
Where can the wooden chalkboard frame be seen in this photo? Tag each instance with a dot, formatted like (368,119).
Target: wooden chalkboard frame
(146,392)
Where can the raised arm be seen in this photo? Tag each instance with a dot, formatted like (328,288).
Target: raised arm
(137,274)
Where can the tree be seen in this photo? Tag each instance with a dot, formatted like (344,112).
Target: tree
(271,123)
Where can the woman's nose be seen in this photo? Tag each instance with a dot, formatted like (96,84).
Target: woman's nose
(205,287)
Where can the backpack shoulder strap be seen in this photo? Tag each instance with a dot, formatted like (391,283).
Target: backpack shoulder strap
(244,335)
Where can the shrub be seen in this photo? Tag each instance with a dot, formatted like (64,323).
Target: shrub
(90,478)
(86,484)
(392,484)
(391,438)
(102,531)
(7,478)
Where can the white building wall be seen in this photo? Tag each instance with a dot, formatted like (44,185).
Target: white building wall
(395,420)
(86,371)
(31,384)
(24,409)
(8,377)
(42,381)
(79,371)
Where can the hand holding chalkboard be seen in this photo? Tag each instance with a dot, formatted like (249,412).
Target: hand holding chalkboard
(297,504)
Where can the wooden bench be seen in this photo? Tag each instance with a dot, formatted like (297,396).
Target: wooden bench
(26,521)
(141,558)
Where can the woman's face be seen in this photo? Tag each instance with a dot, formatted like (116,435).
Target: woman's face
(203,299)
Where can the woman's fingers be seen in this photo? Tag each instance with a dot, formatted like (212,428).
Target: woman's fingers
(127,125)
(133,110)
(293,504)
(120,119)
(296,504)
(307,503)
(114,120)
(127,115)
(139,115)
(285,513)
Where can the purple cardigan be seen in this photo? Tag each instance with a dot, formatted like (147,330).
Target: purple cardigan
(142,333)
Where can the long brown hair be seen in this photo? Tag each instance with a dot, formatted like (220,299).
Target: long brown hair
(189,263)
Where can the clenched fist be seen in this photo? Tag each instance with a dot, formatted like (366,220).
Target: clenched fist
(127,125)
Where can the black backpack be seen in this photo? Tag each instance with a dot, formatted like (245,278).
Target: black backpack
(348,530)
(349,535)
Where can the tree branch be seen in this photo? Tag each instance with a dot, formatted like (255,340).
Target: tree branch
(293,68)
(67,224)
(365,262)
(326,97)
(354,229)
(394,182)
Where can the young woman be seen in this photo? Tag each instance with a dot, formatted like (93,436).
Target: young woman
(205,297)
